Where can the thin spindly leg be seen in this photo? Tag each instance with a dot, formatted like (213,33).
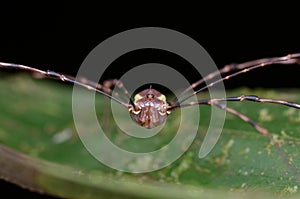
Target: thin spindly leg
(241,68)
(252,98)
(264,132)
(65,78)
(245,118)
(109,84)
(107,87)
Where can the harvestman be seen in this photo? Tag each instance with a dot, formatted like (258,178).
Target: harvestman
(149,107)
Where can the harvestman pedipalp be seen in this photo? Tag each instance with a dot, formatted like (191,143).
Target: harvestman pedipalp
(149,108)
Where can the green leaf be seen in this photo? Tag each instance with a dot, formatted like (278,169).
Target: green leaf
(40,149)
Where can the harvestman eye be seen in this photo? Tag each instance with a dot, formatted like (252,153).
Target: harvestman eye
(150,108)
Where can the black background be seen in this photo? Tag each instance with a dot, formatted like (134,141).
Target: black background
(59,37)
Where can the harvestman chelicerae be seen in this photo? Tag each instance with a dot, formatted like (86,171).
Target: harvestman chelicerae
(149,108)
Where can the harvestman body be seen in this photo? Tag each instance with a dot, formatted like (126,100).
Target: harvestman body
(149,108)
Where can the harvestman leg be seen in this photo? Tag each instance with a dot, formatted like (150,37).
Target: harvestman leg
(253,98)
(259,128)
(109,84)
(83,82)
(263,131)
(243,68)
(245,118)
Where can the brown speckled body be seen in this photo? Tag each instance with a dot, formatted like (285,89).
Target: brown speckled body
(150,108)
